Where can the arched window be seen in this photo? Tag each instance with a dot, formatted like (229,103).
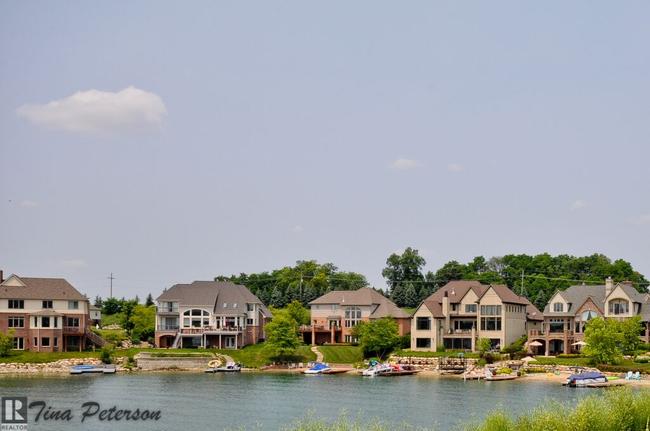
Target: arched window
(352,316)
(196,318)
(618,306)
(588,315)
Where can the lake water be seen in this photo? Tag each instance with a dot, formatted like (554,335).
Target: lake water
(190,401)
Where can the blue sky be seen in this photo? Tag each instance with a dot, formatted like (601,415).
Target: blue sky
(188,140)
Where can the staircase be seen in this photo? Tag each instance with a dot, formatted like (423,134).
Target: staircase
(95,339)
(177,341)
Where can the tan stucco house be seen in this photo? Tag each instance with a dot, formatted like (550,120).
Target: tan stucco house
(462,311)
(568,311)
(334,314)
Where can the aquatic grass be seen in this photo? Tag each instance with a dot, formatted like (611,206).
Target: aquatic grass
(344,423)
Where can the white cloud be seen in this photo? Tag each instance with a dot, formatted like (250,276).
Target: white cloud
(297,229)
(578,205)
(454,167)
(641,220)
(74,263)
(402,164)
(99,111)
(28,204)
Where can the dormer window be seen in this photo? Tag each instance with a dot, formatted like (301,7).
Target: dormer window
(47,303)
(619,306)
(558,307)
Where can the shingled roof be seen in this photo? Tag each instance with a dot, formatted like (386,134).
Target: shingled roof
(222,297)
(384,307)
(16,287)
(578,294)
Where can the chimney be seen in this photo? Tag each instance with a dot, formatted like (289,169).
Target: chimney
(2,276)
(609,286)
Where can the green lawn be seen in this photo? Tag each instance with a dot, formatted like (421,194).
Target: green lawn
(111,319)
(255,355)
(341,354)
(626,365)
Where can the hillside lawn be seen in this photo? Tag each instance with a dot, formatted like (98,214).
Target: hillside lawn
(341,354)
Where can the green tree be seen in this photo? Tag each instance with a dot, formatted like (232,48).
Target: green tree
(282,337)
(149,301)
(377,337)
(6,343)
(630,330)
(111,306)
(483,345)
(603,338)
(142,322)
(99,303)
(127,308)
(401,271)
(297,312)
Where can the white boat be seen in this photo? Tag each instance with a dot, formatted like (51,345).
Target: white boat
(318,368)
(230,367)
(93,369)
(377,370)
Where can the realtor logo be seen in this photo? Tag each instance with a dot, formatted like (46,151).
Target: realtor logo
(14,414)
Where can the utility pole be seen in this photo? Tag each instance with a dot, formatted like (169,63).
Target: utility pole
(301,295)
(111,278)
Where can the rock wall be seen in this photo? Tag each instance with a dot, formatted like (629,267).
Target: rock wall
(151,363)
(60,366)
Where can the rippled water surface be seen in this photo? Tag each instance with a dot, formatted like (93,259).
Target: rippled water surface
(270,401)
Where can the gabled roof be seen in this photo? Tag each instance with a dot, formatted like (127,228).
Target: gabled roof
(457,289)
(579,294)
(364,296)
(16,287)
(221,297)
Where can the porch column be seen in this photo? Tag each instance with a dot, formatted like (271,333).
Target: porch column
(220,341)
(647,332)
(313,335)
(566,337)
(332,334)
(236,337)
(547,348)
(473,338)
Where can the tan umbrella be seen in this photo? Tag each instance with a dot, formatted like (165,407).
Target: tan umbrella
(528,359)
(579,343)
(535,344)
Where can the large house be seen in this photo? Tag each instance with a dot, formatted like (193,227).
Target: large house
(568,311)
(461,312)
(209,314)
(334,314)
(45,314)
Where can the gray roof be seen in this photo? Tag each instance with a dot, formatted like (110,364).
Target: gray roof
(40,288)
(222,297)
(384,307)
(577,295)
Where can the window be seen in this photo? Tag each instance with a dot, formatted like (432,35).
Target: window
(491,310)
(351,339)
(225,305)
(463,325)
(423,343)
(72,321)
(56,322)
(16,322)
(35,342)
(196,318)
(558,307)
(45,342)
(47,303)
(457,343)
(169,307)
(335,306)
(618,306)
(249,321)
(73,305)
(19,343)
(588,315)
(352,316)
(17,303)
(470,308)
(45,321)
(490,323)
(250,307)
(423,323)
(56,342)
(454,307)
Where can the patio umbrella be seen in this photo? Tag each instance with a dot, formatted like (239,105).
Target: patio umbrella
(535,344)
(528,359)
(579,343)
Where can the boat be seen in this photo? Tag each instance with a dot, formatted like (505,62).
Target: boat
(93,369)
(585,379)
(400,370)
(230,367)
(377,370)
(318,368)
(491,377)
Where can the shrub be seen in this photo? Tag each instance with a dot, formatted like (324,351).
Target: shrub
(569,355)
(441,348)
(488,357)
(504,370)
(6,343)
(405,342)
(483,345)
(106,354)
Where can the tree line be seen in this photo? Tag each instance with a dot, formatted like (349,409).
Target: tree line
(543,274)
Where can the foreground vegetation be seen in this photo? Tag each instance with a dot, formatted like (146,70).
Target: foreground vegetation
(618,409)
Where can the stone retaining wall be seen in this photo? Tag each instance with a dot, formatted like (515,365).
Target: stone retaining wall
(147,362)
(426,363)
(60,366)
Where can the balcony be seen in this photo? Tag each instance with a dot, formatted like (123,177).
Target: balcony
(73,330)
(213,330)
(319,328)
(167,327)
